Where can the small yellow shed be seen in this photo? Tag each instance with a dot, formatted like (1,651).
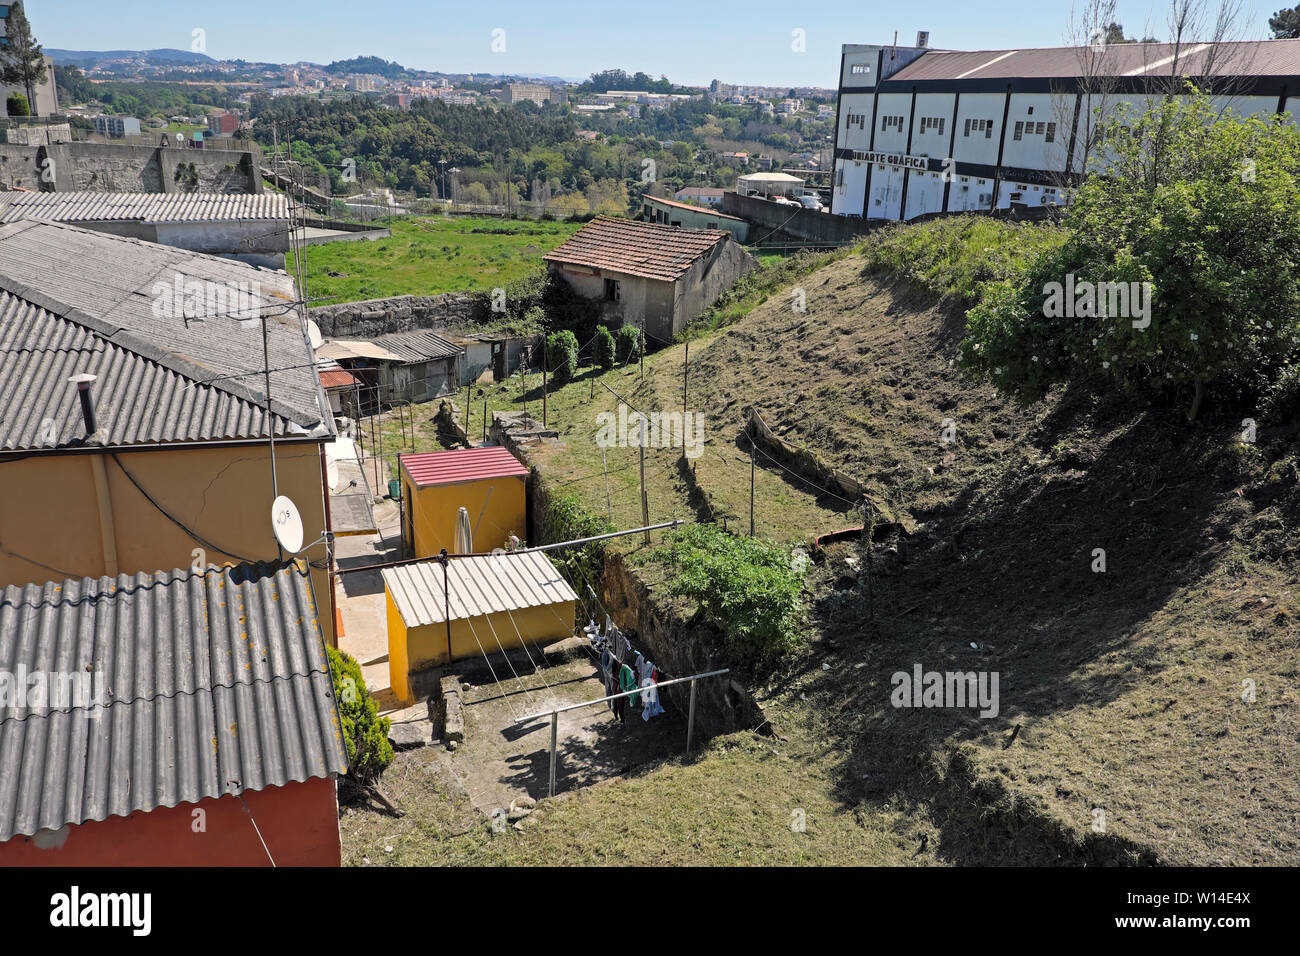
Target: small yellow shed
(489,483)
(493,601)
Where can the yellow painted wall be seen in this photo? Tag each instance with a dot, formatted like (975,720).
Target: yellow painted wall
(501,501)
(414,649)
(50,524)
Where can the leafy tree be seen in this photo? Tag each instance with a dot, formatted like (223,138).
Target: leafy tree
(22,61)
(16,105)
(1203,210)
(604,348)
(365,733)
(1285,24)
(562,356)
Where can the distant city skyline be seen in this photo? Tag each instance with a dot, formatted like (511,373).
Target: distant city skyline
(691,43)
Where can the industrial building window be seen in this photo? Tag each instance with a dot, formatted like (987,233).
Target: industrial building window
(988,129)
(612,291)
(839,176)
(942,122)
(1051,132)
(859,68)
(1020,131)
(1040,129)
(1031,111)
(967,130)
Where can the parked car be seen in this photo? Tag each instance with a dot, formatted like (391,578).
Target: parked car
(812,202)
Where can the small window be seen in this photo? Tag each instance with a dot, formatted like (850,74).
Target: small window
(988,129)
(1040,129)
(942,122)
(612,290)
(1020,131)
(1031,111)
(967,131)
(1051,132)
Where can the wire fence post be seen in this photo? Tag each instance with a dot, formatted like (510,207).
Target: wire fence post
(751,486)
(485,421)
(645,502)
(555,722)
(690,720)
(686,379)
(467,397)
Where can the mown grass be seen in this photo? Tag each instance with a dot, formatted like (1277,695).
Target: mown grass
(429,256)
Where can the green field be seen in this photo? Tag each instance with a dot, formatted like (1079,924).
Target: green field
(431,255)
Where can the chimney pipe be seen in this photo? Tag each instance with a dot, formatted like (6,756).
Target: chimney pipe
(83,382)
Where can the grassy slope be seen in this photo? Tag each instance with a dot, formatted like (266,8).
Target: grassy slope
(1125,686)
(428,256)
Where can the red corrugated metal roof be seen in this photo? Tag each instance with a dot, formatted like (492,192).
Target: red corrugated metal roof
(462,464)
(337,378)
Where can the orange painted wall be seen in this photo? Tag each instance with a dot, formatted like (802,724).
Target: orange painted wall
(49,513)
(299,822)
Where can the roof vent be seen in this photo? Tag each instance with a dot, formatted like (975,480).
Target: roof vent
(83,383)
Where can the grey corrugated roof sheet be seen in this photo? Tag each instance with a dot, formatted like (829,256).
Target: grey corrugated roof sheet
(214,683)
(73,300)
(485,584)
(1251,58)
(418,346)
(85,206)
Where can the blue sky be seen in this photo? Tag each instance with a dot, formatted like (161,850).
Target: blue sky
(690,42)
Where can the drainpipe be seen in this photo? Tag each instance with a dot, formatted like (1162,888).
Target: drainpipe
(103,502)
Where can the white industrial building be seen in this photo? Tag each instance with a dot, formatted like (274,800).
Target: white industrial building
(923,131)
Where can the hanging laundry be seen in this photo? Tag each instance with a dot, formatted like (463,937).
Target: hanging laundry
(643,668)
(650,694)
(627,681)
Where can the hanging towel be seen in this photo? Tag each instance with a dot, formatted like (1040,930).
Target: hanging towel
(627,681)
(650,694)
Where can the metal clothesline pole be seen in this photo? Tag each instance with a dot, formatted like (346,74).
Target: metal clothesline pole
(555,714)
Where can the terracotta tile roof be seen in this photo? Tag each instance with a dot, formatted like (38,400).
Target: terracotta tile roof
(632,248)
(702,210)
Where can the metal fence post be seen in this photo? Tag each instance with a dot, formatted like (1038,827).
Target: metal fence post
(555,720)
(690,721)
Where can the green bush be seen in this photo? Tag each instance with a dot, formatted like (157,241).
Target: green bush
(1201,206)
(16,105)
(747,588)
(628,339)
(562,356)
(364,732)
(604,348)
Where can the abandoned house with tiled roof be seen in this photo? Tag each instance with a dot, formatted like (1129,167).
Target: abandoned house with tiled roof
(652,276)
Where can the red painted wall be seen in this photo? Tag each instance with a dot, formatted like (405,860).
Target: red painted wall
(299,822)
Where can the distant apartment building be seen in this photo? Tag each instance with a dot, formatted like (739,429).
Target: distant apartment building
(222,124)
(362,83)
(538,93)
(398,101)
(702,195)
(115,127)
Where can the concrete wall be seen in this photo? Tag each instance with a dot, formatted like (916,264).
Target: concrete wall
(807,225)
(299,822)
(50,525)
(104,167)
(371,317)
(708,279)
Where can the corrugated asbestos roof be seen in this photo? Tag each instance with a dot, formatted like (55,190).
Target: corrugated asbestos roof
(85,206)
(73,300)
(462,464)
(643,249)
(476,586)
(418,346)
(1259,58)
(213,683)
(702,210)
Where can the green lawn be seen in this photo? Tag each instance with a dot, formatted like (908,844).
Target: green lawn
(431,255)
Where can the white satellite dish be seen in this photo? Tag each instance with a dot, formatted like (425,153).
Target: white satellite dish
(287,524)
(313,334)
(332,473)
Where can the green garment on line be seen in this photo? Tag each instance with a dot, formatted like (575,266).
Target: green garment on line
(627,681)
